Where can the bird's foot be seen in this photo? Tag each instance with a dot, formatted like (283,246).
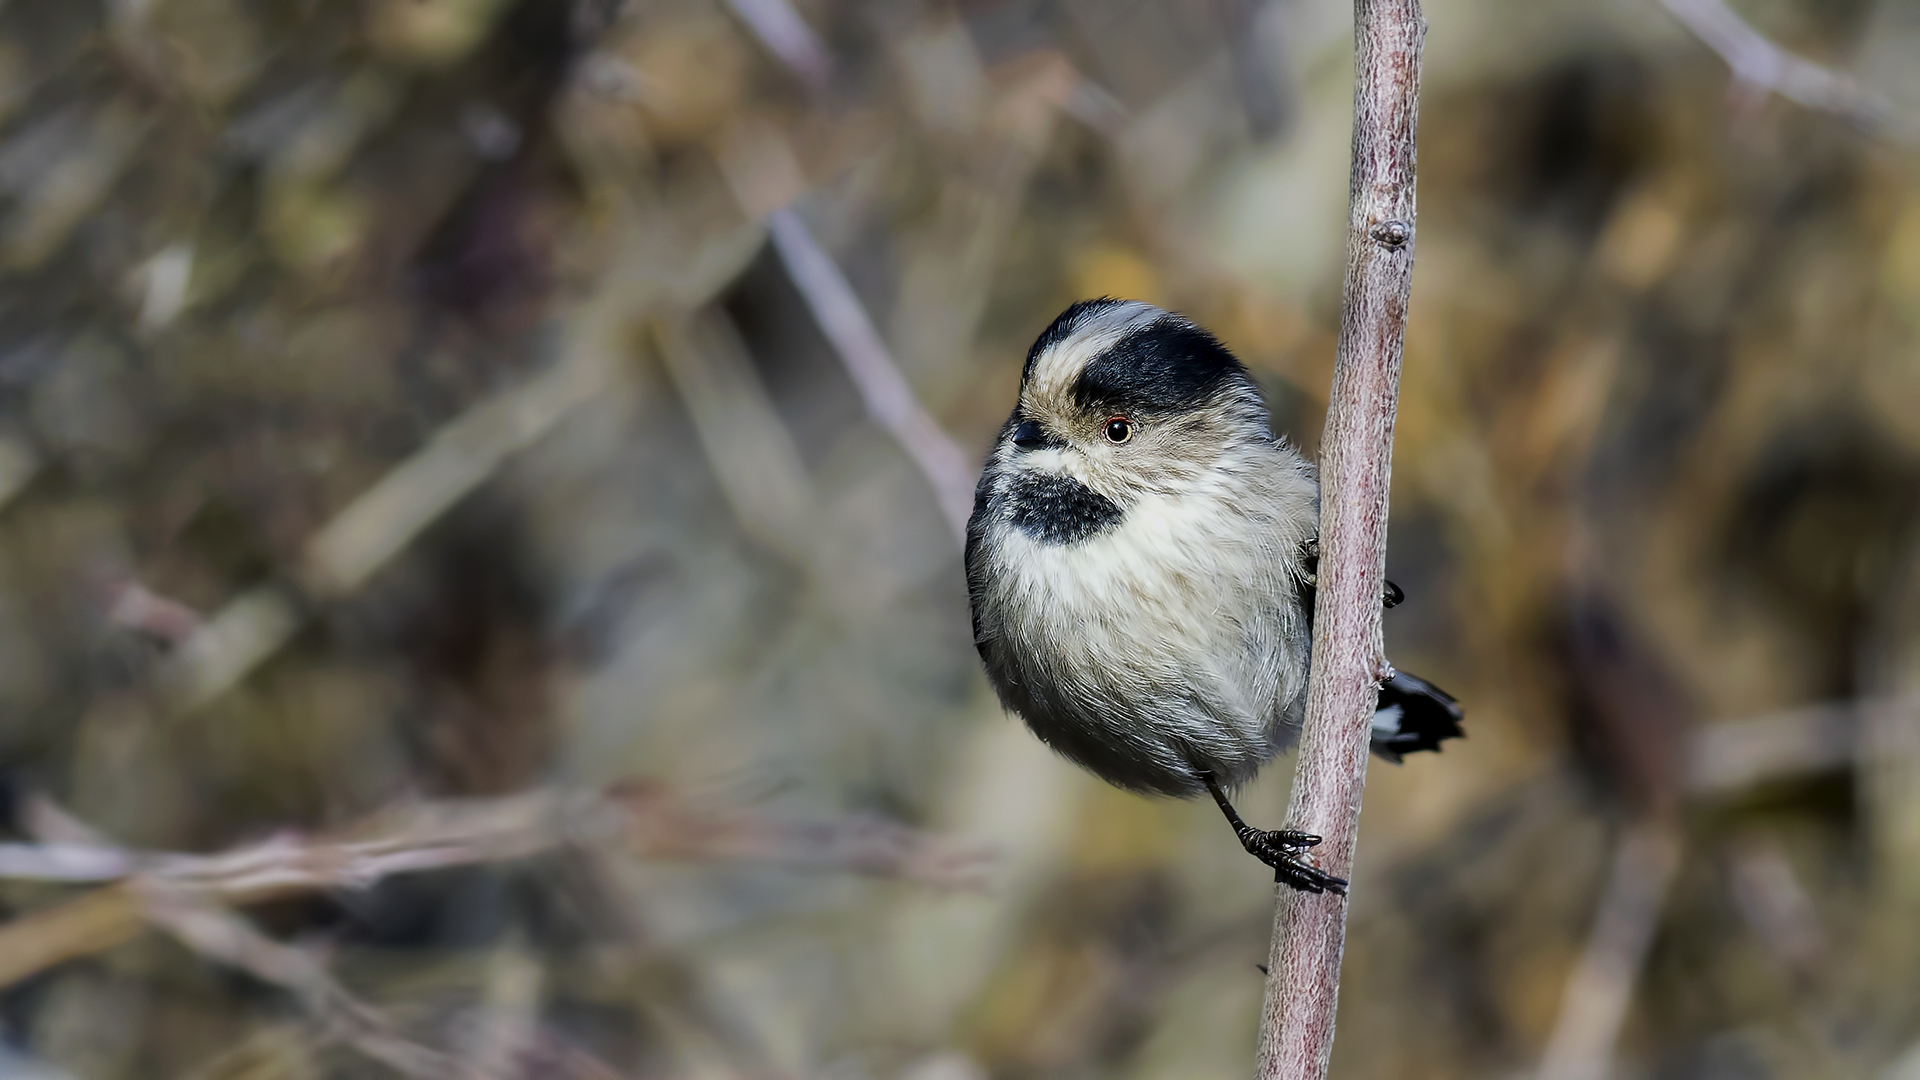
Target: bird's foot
(1285,851)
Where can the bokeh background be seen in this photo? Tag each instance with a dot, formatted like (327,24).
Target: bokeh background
(479,595)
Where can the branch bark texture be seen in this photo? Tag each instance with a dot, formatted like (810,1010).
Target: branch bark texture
(1356,463)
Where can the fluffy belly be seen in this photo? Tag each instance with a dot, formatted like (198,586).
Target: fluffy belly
(1140,661)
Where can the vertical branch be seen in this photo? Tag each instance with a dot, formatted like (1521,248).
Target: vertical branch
(1309,931)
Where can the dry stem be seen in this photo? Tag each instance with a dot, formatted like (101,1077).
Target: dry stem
(1309,931)
(638,820)
(1760,65)
(1601,987)
(870,364)
(787,36)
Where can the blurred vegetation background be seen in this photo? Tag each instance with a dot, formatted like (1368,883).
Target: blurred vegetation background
(476,600)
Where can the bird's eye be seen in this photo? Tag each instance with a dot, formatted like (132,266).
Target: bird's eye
(1119,429)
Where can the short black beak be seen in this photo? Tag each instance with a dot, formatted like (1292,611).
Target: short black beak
(1030,436)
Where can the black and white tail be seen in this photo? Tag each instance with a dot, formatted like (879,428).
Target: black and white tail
(1413,714)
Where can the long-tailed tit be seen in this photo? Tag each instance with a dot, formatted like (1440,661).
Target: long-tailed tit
(1141,567)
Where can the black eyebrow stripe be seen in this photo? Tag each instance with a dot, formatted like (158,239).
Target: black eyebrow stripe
(1170,365)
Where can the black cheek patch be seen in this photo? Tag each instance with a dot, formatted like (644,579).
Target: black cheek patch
(1168,366)
(1059,509)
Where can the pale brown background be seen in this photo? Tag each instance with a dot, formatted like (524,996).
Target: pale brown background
(1658,464)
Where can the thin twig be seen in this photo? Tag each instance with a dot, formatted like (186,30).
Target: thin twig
(505,1029)
(1601,987)
(133,606)
(1734,756)
(220,934)
(869,363)
(1777,906)
(637,820)
(1309,930)
(766,180)
(746,441)
(1759,64)
(787,36)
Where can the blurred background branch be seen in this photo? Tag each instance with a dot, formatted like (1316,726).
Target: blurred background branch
(1759,66)
(887,397)
(633,821)
(1603,982)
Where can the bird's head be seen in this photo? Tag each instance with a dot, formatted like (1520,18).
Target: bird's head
(1126,399)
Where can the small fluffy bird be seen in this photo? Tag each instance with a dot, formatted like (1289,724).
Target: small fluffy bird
(1141,568)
